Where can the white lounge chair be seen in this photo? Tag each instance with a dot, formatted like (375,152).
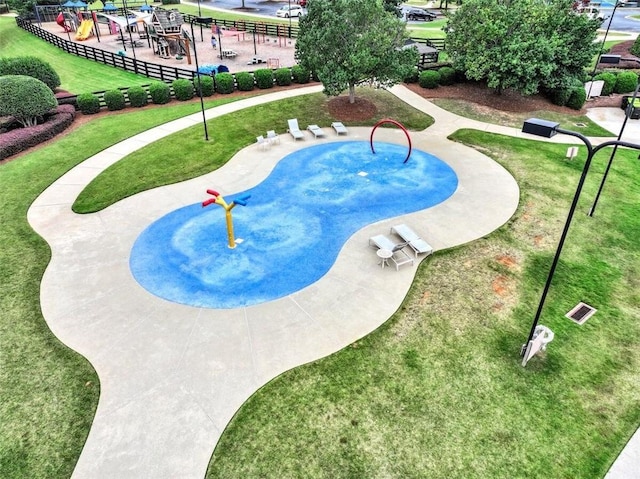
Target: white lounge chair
(339,127)
(316,130)
(262,142)
(273,137)
(415,242)
(398,255)
(294,129)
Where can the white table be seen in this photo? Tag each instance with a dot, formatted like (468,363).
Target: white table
(384,255)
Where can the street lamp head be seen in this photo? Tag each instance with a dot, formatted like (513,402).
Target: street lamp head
(611,59)
(204,20)
(538,127)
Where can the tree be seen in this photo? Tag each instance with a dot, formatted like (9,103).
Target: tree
(349,42)
(525,45)
(25,98)
(30,66)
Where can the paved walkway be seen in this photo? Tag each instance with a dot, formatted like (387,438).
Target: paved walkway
(172,376)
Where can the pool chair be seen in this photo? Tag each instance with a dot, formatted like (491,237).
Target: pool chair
(339,127)
(294,129)
(396,251)
(262,142)
(417,244)
(273,137)
(316,130)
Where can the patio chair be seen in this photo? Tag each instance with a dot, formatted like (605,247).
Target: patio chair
(262,142)
(294,129)
(316,130)
(415,242)
(273,137)
(339,127)
(398,255)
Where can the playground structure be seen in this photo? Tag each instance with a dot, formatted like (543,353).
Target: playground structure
(398,124)
(219,200)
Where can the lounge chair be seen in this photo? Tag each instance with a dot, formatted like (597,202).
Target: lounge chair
(398,255)
(273,137)
(417,244)
(262,142)
(339,127)
(294,129)
(316,130)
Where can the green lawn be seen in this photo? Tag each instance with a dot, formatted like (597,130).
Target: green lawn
(78,75)
(438,390)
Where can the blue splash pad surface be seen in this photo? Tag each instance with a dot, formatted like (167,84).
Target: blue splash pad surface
(293,226)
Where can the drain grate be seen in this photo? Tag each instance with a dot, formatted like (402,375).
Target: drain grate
(581,125)
(581,313)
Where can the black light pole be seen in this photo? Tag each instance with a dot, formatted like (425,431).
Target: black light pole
(133,47)
(548,129)
(206,21)
(199,16)
(627,113)
(599,59)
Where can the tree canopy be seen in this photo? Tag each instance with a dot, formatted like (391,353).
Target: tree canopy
(526,45)
(349,42)
(25,98)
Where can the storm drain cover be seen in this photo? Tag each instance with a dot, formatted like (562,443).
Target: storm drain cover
(581,313)
(581,125)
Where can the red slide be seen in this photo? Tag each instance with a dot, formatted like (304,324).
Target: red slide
(60,21)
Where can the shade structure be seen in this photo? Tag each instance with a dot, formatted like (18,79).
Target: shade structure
(79,4)
(110,7)
(69,4)
(145,8)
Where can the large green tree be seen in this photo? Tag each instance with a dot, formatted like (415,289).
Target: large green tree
(350,42)
(526,45)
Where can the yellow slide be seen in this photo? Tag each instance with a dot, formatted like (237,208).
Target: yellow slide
(84,30)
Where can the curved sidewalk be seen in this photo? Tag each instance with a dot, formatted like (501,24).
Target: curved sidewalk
(172,376)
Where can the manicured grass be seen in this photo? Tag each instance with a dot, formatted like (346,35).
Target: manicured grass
(470,110)
(438,391)
(186,155)
(78,75)
(48,392)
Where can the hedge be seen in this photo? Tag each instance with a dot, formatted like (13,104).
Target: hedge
(203,85)
(300,74)
(264,78)
(138,96)
(114,99)
(160,92)
(88,103)
(283,76)
(183,89)
(25,98)
(30,66)
(245,81)
(224,83)
(429,79)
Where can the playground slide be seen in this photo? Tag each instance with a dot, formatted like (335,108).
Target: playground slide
(84,30)
(60,20)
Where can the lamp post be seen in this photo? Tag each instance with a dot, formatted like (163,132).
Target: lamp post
(599,59)
(206,21)
(548,129)
(627,113)
(133,47)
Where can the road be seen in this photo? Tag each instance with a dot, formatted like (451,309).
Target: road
(622,21)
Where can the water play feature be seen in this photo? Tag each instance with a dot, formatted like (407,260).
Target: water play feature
(299,218)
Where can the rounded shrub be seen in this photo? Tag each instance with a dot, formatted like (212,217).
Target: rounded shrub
(30,66)
(203,85)
(183,89)
(160,92)
(300,74)
(245,81)
(264,78)
(577,98)
(447,76)
(412,77)
(429,79)
(88,103)
(609,80)
(560,96)
(137,96)
(626,82)
(25,98)
(114,99)
(224,83)
(635,48)
(283,76)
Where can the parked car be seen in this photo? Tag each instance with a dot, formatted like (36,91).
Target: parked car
(290,11)
(420,15)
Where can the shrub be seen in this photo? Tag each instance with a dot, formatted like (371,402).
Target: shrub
(224,83)
(25,98)
(264,78)
(114,99)
(412,77)
(183,89)
(20,139)
(30,66)
(609,82)
(626,82)
(283,76)
(300,74)
(137,96)
(245,81)
(429,79)
(88,103)
(635,48)
(447,76)
(577,98)
(203,85)
(160,92)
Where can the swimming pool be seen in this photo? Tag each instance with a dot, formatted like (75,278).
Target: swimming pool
(293,227)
